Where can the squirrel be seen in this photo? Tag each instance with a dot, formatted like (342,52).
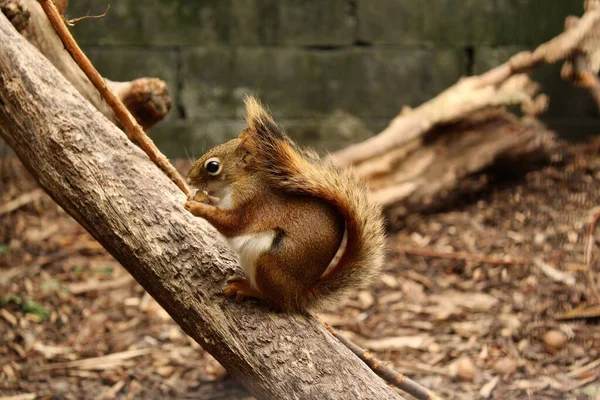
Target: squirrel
(286,213)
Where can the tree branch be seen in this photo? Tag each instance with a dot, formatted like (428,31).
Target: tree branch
(107,184)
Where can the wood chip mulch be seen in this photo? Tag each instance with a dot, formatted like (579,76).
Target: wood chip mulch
(489,298)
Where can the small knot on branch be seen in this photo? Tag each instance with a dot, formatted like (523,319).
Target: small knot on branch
(16,12)
(148,100)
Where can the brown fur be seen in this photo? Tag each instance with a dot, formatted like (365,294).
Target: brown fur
(277,186)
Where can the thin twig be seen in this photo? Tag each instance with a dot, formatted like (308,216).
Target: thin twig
(132,128)
(555,274)
(583,312)
(586,368)
(113,359)
(583,382)
(73,21)
(389,375)
(465,256)
(589,254)
(98,286)
(24,396)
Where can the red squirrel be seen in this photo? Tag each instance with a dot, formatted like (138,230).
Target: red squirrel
(285,211)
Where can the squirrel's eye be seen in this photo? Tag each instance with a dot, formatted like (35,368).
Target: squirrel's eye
(213,166)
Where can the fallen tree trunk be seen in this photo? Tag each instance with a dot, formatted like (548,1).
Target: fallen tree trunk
(445,163)
(90,168)
(425,153)
(146,98)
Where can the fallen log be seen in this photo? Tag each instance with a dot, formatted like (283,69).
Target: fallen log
(424,153)
(146,98)
(90,168)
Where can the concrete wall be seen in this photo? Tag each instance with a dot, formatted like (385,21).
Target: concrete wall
(332,71)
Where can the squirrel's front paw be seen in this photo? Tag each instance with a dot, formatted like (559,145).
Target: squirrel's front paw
(240,287)
(190,205)
(195,207)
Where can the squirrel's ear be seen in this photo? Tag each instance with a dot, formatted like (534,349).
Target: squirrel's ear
(244,148)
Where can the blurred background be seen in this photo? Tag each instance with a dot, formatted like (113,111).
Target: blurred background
(332,72)
(486,290)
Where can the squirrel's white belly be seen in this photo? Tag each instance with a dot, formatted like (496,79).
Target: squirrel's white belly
(249,247)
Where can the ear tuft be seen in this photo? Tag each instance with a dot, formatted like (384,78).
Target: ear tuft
(262,135)
(257,115)
(258,119)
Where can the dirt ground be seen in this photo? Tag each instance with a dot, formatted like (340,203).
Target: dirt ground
(485,299)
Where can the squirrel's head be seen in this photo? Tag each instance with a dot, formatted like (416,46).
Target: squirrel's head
(218,169)
(224,165)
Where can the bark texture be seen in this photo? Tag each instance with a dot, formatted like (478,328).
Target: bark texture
(108,184)
(146,98)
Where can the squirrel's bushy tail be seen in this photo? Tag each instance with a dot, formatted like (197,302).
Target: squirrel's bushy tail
(303,172)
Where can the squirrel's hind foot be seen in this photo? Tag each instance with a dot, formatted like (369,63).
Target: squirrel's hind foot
(240,287)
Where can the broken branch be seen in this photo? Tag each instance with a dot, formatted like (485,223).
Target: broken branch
(151,100)
(425,154)
(132,128)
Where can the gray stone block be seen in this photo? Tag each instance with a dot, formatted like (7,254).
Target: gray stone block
(290,81)
(293,22)
(539,20)
(327,134)
(216,80)
(190,139)
(207,87)
(385,21)
(447,22)
(374,82)
(322,23)
(465,22)
(215,22)
(486,58)
(156,22)
(377,82)
(125,64)
(316,22)
(127,22)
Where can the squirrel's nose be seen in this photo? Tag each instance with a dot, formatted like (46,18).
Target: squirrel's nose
(189,180)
